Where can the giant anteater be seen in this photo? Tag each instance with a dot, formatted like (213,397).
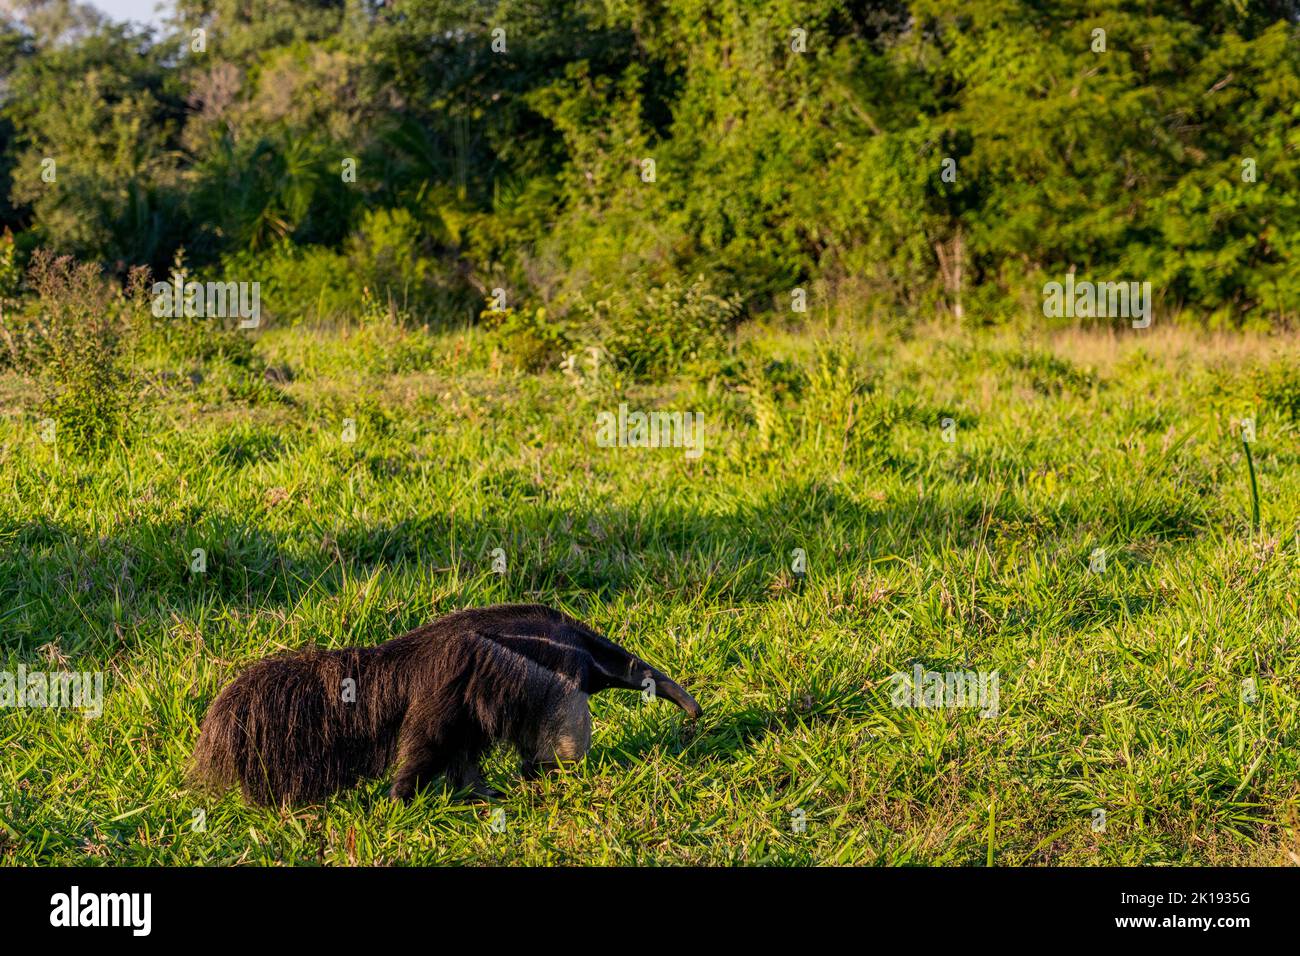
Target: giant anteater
(298,727)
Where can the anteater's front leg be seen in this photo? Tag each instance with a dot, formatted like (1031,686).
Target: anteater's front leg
(464,774)
(565,737)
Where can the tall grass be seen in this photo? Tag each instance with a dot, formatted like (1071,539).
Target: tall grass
(1120,691)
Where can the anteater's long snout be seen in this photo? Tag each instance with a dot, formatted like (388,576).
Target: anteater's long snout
(666,687)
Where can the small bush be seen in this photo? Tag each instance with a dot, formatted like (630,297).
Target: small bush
(300,284)
(661,330)
(771,387)
(76,338)
(385,343)
(1050,374)
(395,260)
(10,280)
(389,257)
(847,418)
(528,338)
(195,341)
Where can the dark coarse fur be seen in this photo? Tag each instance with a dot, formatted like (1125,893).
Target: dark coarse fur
(433,701)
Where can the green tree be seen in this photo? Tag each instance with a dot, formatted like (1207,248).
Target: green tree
(95,145)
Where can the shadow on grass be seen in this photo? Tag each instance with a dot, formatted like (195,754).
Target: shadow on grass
(59,582)
(724,735)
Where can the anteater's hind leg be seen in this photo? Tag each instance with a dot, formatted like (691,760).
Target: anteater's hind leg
(420,761)
(426,751)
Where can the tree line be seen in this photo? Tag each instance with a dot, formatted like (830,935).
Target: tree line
(905,156)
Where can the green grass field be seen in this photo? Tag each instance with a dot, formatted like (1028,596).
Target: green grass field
(1126,691)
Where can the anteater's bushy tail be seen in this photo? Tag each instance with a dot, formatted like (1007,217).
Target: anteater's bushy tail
(288,731)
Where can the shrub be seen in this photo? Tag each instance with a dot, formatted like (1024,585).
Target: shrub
(527,337)
(661,330)
(76,339)
(10,280)
(771,387)
(194,340)
(387,258)
(385,343)
(300,283)
(846,417)
(392,256)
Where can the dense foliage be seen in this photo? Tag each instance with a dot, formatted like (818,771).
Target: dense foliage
(918,155)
